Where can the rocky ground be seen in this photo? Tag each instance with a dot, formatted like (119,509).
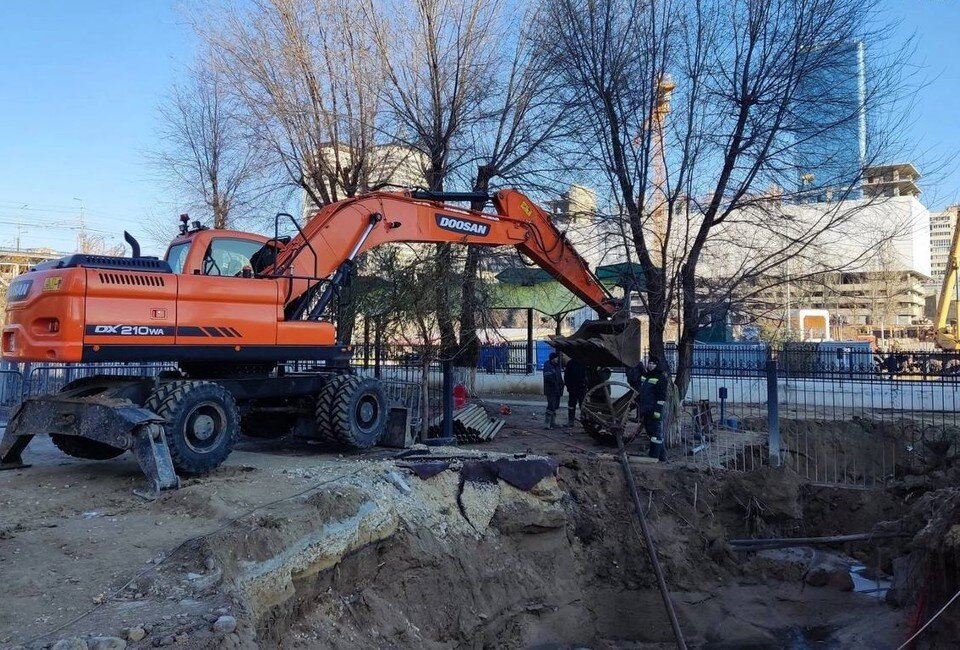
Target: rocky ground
(289,546)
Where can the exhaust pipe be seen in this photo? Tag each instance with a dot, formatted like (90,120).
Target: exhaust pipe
(134,244)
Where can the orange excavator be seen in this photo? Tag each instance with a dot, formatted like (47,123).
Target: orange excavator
(232,310)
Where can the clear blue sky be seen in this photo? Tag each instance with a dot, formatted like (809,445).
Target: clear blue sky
(81,80)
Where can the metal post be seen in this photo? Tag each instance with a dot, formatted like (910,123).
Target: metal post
(447,399)
(530,357)
(773,414)
(723,405)
(366,342)
(377,344)
(446,423)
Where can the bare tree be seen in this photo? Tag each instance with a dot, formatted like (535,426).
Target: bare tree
(207,156)
(438,56)
(696,113)
(310,82)
(518,140)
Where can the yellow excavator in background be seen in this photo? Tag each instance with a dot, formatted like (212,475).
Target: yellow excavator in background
(945,333)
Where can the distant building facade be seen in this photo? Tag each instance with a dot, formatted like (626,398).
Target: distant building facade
(942,225)
(830,123)
(899,179)
(391,167)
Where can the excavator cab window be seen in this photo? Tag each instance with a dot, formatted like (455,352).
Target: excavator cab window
(177,256)
(229,257)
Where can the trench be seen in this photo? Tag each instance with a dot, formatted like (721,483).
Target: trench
(560,567)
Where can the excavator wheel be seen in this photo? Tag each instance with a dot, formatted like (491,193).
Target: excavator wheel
(83,447)
(352,412)
(267,426)
(202,423)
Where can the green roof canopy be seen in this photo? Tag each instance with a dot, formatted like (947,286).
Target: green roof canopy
(623,274)
(534,288)
(525,277)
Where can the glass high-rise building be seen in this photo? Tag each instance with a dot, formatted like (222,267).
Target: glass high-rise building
(829,123)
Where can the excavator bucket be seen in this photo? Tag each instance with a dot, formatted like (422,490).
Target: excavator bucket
(609,343)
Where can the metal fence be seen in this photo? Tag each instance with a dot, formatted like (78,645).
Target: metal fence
(840,415)
(508,358)
(834,414)
(11,391)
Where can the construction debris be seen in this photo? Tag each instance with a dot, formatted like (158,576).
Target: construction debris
(471,424)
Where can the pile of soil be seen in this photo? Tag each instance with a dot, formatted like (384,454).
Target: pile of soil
(925,562)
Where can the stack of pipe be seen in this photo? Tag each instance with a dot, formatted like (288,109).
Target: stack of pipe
(471,424)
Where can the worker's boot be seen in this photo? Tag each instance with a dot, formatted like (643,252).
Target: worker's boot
(548,419)
(571,416)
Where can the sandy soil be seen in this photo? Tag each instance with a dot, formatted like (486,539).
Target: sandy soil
(311,549)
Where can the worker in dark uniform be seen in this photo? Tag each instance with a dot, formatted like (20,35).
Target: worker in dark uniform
(650,402)
(552,388)
(575,379)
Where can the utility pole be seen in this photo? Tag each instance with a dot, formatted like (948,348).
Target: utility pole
(82,235)
(20,224)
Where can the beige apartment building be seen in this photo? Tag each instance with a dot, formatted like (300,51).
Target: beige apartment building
(941,236)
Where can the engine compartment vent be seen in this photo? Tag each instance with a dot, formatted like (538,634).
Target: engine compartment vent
(130,279)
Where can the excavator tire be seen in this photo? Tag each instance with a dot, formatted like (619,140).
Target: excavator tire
(202,423)
(325,400)
(352,412)
(267,426)
(83,447)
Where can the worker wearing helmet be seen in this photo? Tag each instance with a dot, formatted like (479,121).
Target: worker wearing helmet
(652,395)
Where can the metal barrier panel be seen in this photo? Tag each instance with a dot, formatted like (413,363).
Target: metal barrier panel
(43,380)
(407,394)
(723,419)
(11,392)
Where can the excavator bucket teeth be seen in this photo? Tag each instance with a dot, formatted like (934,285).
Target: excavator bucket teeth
(611,343)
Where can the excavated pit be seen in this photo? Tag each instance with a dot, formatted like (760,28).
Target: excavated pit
(452,563)
(326,552)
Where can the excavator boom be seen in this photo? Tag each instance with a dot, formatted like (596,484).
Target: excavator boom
(341,231)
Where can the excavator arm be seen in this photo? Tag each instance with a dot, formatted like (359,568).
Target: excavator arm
(332,239)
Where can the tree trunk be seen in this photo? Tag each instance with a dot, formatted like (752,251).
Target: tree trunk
(688,332)
(656,309)
(346,313)
(469,352)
